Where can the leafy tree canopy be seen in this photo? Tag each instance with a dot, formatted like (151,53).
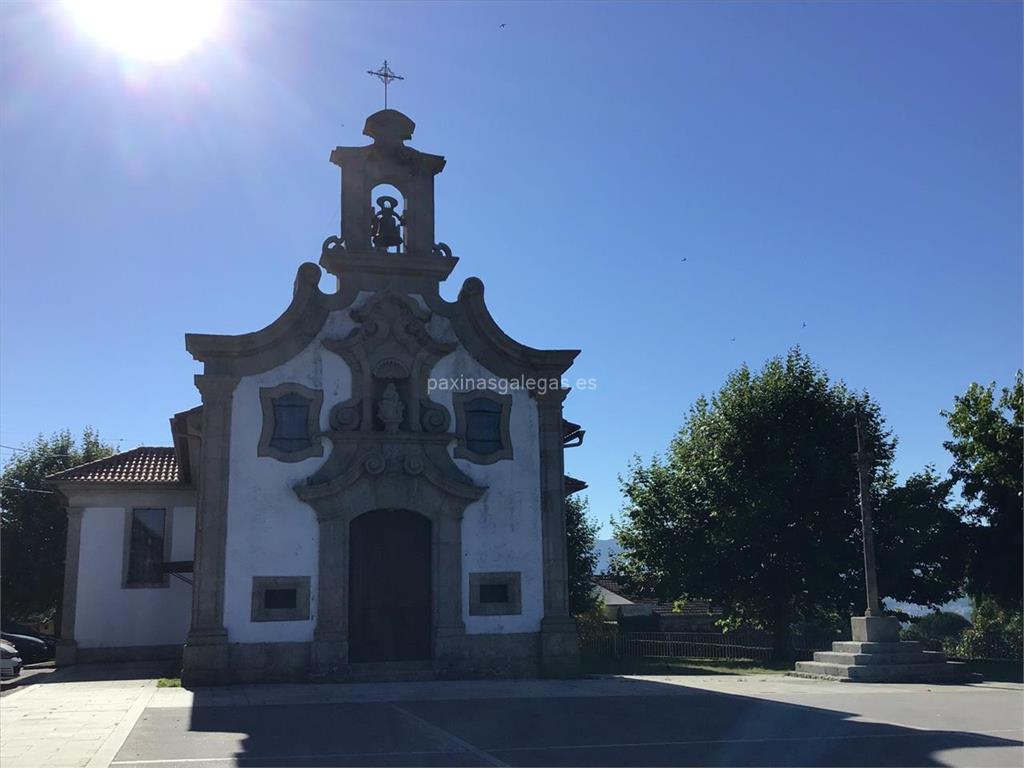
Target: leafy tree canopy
(920,541)
(34,524)
(755,507)
(581,533)
(988,459)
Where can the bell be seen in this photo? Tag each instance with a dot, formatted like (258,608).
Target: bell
(385,229)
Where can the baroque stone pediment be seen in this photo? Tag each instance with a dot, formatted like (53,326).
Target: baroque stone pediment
(389,431)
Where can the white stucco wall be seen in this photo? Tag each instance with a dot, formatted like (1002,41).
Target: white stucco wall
(502,530)
(109,615)
(271,532)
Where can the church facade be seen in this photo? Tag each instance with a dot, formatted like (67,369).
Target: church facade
(372,487)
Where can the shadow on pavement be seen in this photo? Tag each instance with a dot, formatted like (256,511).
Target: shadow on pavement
(653,724)
(127,670)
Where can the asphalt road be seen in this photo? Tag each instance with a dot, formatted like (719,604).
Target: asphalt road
(685,721)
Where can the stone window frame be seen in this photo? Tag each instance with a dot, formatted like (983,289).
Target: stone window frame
(462,450)
(514,605)
(316,401)
(165,581)
(261,584)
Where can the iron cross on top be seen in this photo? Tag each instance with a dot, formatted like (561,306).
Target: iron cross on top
(386,75)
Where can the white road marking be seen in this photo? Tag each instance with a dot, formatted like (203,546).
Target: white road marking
(491,760)
(767,739)
(464,746)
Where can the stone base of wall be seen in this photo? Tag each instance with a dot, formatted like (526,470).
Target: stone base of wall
(458,657)
(476,656)
(559,647)
(269,662)
(125,653)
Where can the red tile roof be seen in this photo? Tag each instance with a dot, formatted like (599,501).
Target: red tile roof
(139,465)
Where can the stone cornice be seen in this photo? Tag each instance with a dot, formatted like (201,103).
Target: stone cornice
(503,355)
(284,338)
(255,352)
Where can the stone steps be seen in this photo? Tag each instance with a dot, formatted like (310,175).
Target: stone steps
(889,673)
(391,672)
(909,646)
(874,659)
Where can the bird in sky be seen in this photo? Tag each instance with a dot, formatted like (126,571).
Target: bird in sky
(733,339)
(501,26)
(804,325)
(683,259)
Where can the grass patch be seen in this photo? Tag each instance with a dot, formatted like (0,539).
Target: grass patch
(683,666)
(169,682)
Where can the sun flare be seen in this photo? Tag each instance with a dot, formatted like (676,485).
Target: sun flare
(148,30)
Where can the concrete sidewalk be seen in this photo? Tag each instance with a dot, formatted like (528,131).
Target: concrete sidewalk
(65,724)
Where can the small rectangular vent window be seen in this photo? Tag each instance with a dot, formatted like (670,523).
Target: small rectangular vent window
(280,599)
(494,593)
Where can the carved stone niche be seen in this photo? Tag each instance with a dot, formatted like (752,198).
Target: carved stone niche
(389,451)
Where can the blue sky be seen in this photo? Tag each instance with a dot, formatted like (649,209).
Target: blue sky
(852,166)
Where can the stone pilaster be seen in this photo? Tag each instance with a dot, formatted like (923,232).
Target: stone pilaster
(450,630)
(67,648)
(206,651)
(330,638)
(559,644)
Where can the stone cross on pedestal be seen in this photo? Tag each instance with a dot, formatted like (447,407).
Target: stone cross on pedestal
(872,626)
(863,461)
(876,653)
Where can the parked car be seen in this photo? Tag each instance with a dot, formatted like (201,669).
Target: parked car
(10,661)
(31,649)
(16,628)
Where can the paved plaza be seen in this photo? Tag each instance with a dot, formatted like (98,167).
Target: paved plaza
(714,720)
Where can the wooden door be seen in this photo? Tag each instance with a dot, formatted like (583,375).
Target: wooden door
(390,595)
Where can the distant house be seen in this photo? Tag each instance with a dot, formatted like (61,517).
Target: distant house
(621,603)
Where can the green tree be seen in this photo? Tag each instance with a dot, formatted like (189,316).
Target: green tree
(988,460)
(34,523)
(936,629)
(755,506)
(920,541)
(581,534)
(995,633)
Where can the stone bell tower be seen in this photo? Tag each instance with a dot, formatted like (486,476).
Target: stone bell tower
(387,237)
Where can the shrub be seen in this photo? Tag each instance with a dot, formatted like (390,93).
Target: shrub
(935,629)
(995,634)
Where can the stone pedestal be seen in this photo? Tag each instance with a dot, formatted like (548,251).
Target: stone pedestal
(205,659)
(876,655)
(559,647)
(875,629)
(66,653)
